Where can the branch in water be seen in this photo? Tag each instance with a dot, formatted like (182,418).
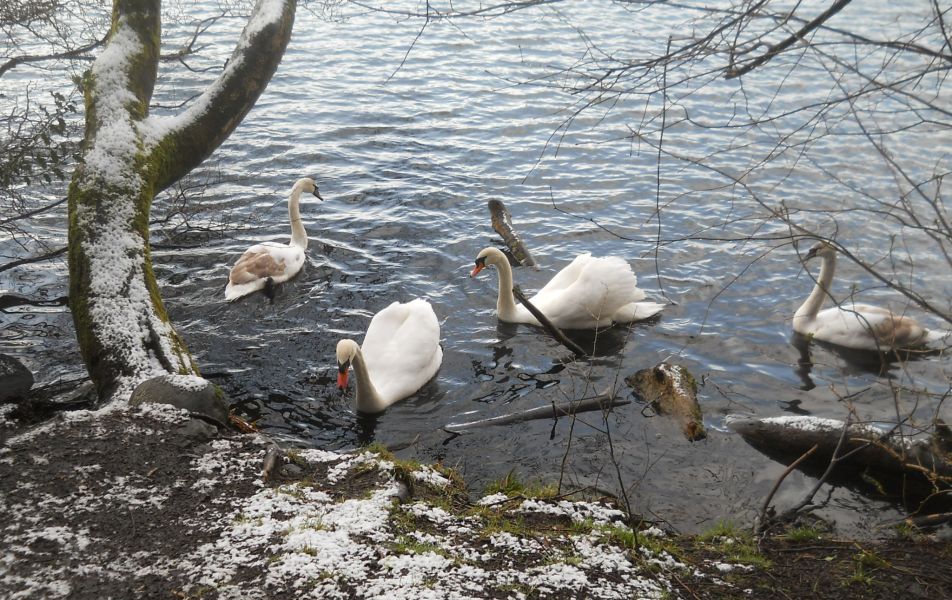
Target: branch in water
(547,324)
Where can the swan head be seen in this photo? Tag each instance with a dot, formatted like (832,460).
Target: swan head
(346,351)
(306,184)
(821,249)
(487,256)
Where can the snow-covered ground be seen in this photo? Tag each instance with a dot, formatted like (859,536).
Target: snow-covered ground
(148,502)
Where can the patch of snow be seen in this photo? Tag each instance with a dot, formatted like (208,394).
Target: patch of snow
(654,531)
(504,539)
(805,423)
(577,511)
(163,412)
(442,519)
(192,383)
(429,476)
(662,559)
(341,469)
(723,567)
(314,455)
(491,499)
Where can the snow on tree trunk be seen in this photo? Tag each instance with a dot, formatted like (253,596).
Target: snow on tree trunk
(128,156)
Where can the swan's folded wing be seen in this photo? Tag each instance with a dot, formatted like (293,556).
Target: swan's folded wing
(262,261)
(567,276)
(866,327)
(601,288)
(402,348)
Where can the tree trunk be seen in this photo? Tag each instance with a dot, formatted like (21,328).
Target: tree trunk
(128,156)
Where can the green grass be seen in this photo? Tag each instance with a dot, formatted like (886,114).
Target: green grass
(619,535)
(512,486)
(803,534)
(735,544)
(721,529)
(406,544)
(498,523)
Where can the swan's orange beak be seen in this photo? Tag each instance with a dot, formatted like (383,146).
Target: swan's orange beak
(480,265)
(342,372)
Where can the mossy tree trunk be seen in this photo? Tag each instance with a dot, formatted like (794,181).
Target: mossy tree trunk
(128,157)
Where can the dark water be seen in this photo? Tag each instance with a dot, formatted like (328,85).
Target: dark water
(407,159)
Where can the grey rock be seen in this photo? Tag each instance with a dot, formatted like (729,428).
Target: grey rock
(194,394)
(196,429)
(292,471)
(15,379)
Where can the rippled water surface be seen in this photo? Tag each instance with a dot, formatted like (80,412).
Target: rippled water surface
(407,154)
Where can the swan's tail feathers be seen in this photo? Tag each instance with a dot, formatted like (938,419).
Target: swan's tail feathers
(637,311)
(233,292)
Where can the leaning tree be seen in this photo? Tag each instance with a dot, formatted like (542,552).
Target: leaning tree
(128,156)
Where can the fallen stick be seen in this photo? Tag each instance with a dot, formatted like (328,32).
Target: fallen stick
(547,324)
(554,410)
(502,223)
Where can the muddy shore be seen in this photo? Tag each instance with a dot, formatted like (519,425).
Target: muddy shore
(150,503)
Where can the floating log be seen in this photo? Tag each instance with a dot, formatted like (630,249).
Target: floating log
(502,223)
(880,449)
(671,390)
(554,410)
(546,323)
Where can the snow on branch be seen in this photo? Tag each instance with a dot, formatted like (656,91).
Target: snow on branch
(196,132)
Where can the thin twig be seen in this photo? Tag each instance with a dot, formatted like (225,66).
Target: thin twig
(763,509)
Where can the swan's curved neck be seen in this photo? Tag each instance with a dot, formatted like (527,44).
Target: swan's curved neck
(811,306)
(298,235)
(367,398)
(505,303)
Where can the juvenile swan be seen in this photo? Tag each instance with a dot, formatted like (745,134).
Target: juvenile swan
(400,353)
(858,326)
(266,264)
(588,293)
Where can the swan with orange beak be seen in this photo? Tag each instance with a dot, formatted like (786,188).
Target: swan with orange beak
(400,353)
(589,293)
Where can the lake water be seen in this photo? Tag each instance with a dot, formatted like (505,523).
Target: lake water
(407,154)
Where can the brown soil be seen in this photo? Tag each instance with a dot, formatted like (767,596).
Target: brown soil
(836,569)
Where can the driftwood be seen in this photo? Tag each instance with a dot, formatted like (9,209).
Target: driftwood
(502,223)
(671,390)
(549,411)
(547,324)
(883,450)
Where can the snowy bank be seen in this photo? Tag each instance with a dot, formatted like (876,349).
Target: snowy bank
(148,502)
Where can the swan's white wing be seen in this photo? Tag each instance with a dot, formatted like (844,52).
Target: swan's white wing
(599,288)
(865,327)
(568,275)
(637,311)
(260,262)
(402,348)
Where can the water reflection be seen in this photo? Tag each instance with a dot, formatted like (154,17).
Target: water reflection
(854,362)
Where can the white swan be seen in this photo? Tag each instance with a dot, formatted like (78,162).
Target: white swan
(266,264)
(588,293)
(858,326)
(400,353)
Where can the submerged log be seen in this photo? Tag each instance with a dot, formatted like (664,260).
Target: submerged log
(502,223)
(671,390)
(879,449)
(554,410)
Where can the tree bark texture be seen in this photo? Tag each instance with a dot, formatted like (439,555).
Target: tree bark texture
(123,329)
